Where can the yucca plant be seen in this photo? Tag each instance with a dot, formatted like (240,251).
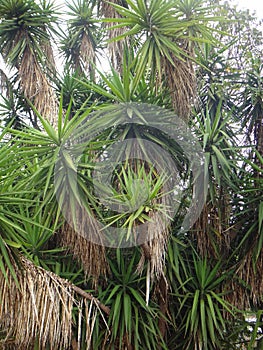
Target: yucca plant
(82,39)
(200,305)
(249,243)
(25,42)
(167,32)
(132,323)
(31,314)
(73,88)
(115,48)
(221,168)
(61,286)
(125,87)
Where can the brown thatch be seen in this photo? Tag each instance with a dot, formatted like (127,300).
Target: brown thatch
(40,310)
(181,81)
(4,83)
(212,230)
(91,256)
(87,54)
(154,249)
(115,48)
(154,233)
(49,55)
(36,87)
(247,289)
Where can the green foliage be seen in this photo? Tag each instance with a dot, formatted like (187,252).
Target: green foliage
(213,270)
(199,301)
(24,25)
(161,27)
(131,322)
(126,87)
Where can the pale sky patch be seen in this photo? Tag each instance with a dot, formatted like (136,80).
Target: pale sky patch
(252,5)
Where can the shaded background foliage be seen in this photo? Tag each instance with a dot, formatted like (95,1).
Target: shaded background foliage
(197,58)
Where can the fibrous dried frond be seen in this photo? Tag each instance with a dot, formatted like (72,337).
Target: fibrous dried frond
(115,48)
(91,256)
(181,82)
(79,234)
(202,233)
(4,83)
(36,87)
(49,56)
(212,231)
(154,249)
(249,271)
(41,311)
(87,53)
(155,231)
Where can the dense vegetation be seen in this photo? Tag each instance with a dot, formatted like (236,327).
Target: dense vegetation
(70,79)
